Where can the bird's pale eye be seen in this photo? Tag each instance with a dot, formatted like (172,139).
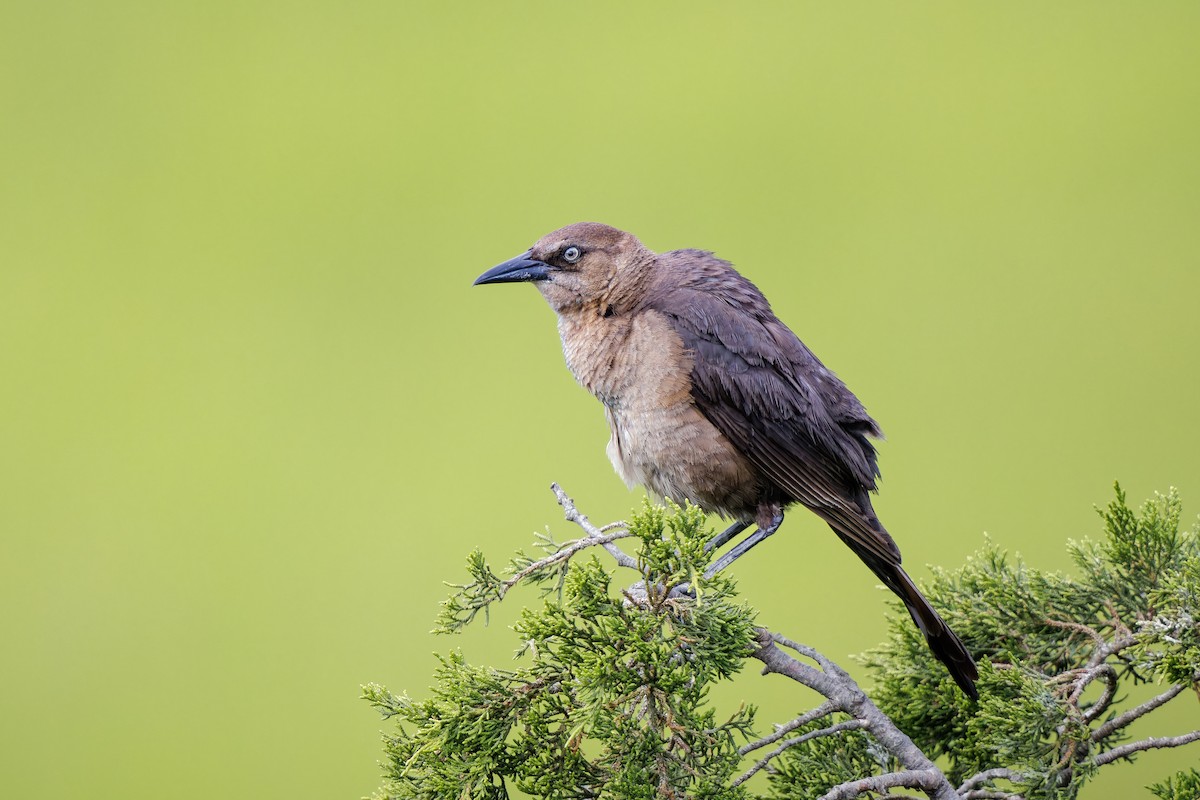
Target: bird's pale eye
(572,254)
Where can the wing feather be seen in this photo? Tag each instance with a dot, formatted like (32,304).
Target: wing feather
(773,399)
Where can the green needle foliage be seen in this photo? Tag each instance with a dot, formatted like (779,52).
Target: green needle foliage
(608,696)
(1182,786)
(1055,651)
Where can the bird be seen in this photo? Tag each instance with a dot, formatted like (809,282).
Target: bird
(711,398)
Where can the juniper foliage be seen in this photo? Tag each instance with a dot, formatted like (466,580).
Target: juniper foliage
(1181,786)
(609,694)
(1056,652)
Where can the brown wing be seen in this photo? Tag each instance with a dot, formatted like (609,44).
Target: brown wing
(772,398)
(793,419)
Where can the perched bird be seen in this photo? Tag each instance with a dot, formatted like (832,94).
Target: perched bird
(711,398)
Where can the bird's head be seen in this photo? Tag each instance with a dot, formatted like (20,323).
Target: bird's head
(581,266)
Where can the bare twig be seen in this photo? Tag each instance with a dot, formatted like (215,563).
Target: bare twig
(781,663)
(1118,722)
(980,778)
(927,780)
(565,554)
(832,730)
(1152,743)
(1110,691)
(823,710)
(595,536)
(808,652)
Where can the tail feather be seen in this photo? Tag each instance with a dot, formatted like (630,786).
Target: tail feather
(942,641)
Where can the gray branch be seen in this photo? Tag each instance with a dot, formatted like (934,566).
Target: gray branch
(839,688)
(825,709)
(595,536)
(980,778)
(970,788)
(1109,676)
(832,730)
(1152,743)
(566,553)
(929,781)
(1118,722)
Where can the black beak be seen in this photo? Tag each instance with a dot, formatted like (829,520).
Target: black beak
(521,268)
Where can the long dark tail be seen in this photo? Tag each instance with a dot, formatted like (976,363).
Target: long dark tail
(943,641)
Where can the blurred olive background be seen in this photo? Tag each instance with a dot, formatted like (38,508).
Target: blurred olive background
(253,413)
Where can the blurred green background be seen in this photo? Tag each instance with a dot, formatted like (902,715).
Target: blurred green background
(252,412)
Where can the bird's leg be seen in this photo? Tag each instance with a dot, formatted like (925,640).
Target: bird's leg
(712,544)
(743,547)
(725,535)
